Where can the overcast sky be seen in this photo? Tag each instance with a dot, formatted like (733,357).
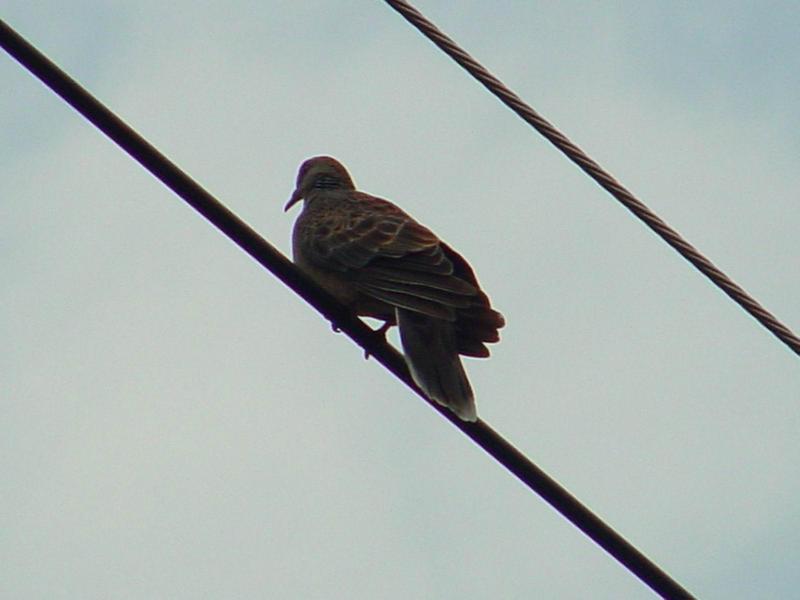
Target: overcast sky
(177,424)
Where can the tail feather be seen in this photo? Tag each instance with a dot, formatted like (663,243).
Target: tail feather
(431,352)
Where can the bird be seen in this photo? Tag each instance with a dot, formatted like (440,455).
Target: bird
(379,262)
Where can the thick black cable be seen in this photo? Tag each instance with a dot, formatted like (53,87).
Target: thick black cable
(597,173)
(270,258)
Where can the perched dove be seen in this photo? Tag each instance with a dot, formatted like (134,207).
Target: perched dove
(381,263)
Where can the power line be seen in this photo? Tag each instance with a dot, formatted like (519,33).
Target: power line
(269,257)
(596,172)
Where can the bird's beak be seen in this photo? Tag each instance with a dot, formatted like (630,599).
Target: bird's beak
(296,196)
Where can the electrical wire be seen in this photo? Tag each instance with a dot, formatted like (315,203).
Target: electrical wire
(597,173)
(270,258)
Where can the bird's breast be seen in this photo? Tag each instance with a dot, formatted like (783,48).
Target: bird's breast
(334,281)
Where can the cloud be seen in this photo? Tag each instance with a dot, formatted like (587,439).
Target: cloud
(177,421)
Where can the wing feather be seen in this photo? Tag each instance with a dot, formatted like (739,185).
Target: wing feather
(413,303)
(393,259)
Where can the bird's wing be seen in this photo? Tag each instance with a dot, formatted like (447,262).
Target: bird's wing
(390,257)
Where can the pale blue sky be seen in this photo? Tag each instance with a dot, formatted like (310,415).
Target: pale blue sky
(177,424)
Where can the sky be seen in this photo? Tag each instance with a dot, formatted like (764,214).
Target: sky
(178,424)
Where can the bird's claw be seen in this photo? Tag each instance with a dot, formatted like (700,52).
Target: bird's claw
(380,334)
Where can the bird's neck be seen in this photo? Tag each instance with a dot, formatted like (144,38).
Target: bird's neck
(330,182)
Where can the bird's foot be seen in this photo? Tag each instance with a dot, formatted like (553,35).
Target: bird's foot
(379,334)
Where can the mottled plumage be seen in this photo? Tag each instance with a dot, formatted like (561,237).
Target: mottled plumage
(381,263)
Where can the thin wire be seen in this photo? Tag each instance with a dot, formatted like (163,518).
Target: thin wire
(596,172)
(269,257)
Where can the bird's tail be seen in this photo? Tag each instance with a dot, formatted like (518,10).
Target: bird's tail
(431,353)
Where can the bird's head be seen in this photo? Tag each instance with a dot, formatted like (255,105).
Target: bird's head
(319,173)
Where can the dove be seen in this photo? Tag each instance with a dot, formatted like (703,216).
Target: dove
(379,262)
